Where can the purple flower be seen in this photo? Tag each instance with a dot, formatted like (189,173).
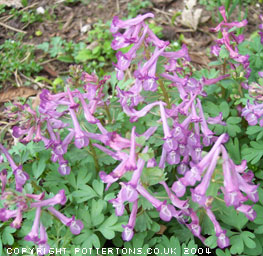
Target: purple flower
(33,234)
(128,191)
(18,219)
(122,40)
(89,117)
(170,143)
(152,38)
(147,72)
(216,119)
(61,148)
(131,162)
(20,176)
(179,188)
(114,140)
(117,173)
(194,174)
(174,78)
(248,211)
(59,198)
(135,115)
(81,139)
(73,104)
(36,197)
(181,204)
(114,155)
(118,205)
(6,214)
(173,157)
(194,226)
(182,53)
(166,211)
(250,190)
(124,59)
(3,178)
(199,192)
(183,167)
(43,246)
(222,239)
(127,234)
(204,128)
(232,194)
(63,168)
(119,24)
(75,225)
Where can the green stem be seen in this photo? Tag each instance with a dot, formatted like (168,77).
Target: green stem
(94,155)
(165,94)
(108,112)
(240,90)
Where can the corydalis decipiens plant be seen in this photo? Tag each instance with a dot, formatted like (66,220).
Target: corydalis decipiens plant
(188,145)
(184,141)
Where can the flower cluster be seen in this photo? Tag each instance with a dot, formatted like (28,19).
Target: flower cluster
(188,144)
(184,141)
(17,201)
(230,41)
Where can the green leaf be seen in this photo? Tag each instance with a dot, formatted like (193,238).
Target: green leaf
(39,167)
(234,149)
(259,230)
(211,108)
(255,251)
(47,219)
(211,241)
(96,212)
(237,244)
(108,227)
(84,193)
(83,176)
(234,120)
(143,222)
(247,238)
(7,238)
(83,237)
(170,247)
(84,55)
(254,153)
(230,216)
(219,252)
(224,108)
(98,186)
(66,58)
(251,130)
(259,218)
(44,46)
(152,176)
(223,54)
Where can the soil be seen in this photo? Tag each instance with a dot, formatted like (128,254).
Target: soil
(67,19)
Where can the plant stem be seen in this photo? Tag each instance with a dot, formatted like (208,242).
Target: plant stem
(108,112)
(94,155)
(165,94)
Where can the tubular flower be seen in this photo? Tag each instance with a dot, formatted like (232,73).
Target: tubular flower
(59,198)
(127,234)
(20,176)
(75,225)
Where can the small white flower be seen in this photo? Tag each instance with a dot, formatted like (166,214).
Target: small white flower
(40,10)
(85,28)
